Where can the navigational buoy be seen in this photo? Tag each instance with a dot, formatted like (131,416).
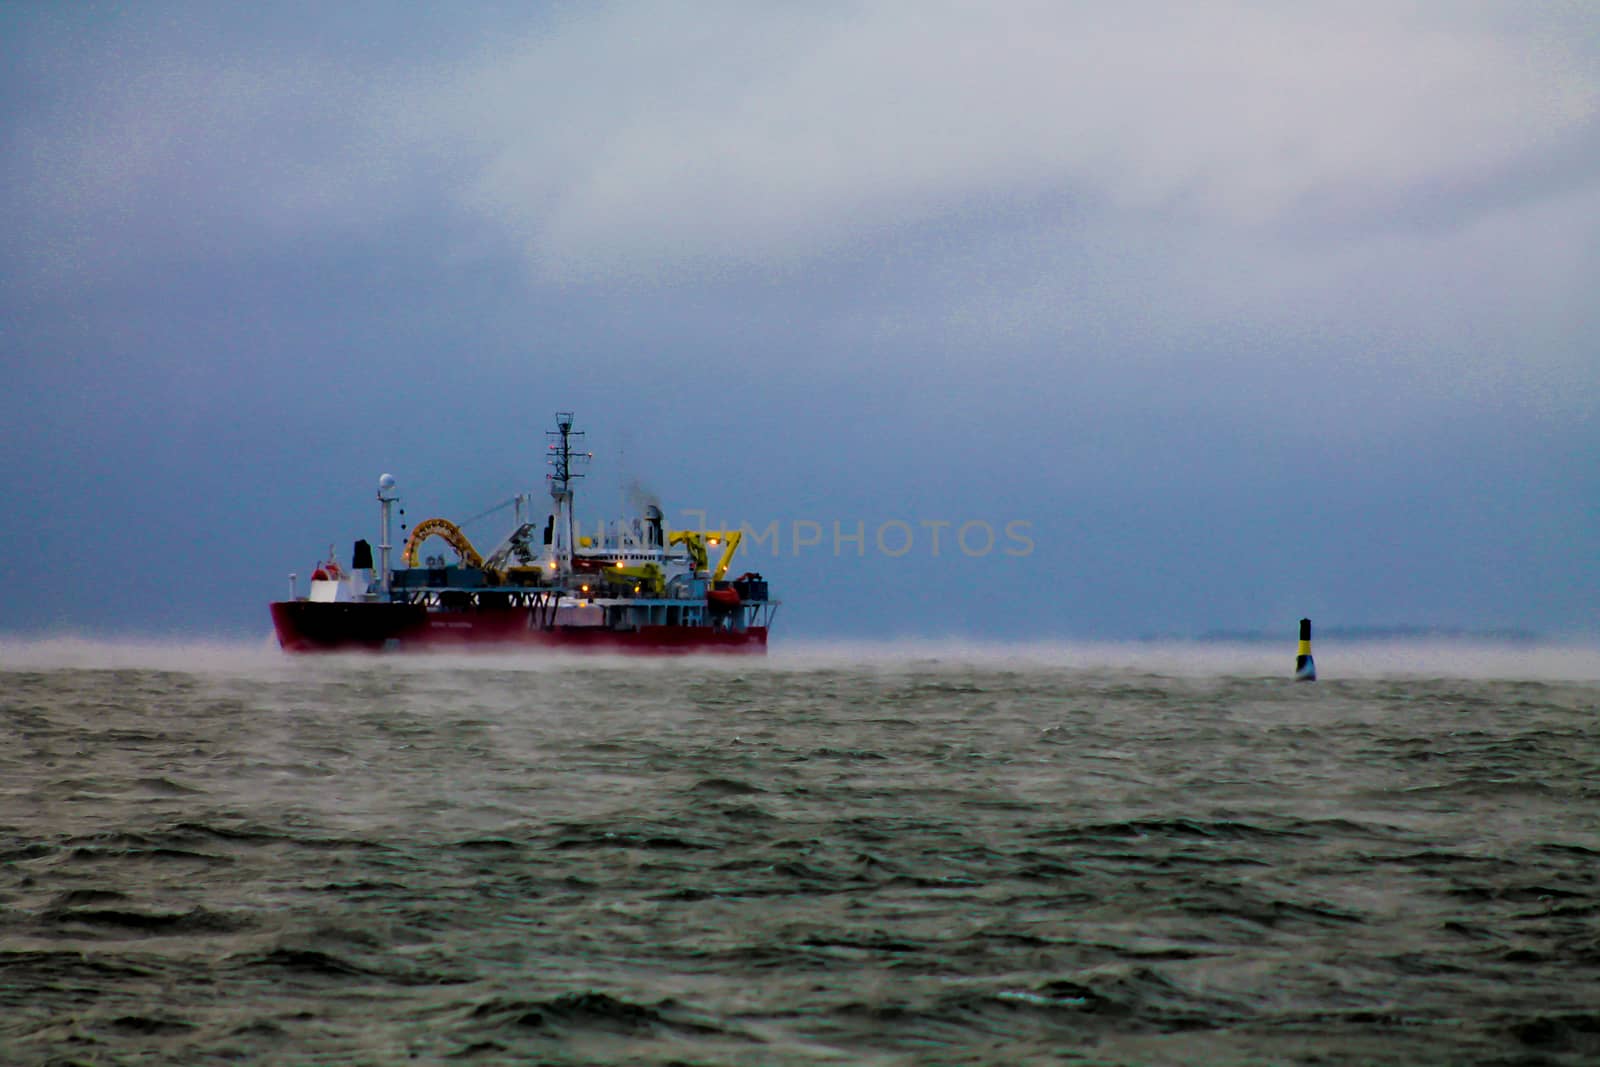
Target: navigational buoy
(1305,668)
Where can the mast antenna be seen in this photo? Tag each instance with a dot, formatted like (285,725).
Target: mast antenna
(562,457)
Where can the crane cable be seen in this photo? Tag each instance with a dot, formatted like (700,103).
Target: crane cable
(487,512)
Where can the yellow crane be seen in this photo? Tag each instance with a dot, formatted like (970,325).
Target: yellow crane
(697,542)
(643,578)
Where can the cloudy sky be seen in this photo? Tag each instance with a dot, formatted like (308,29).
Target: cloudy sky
(1235,312)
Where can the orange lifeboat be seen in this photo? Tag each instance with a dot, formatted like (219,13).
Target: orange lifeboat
(722,600)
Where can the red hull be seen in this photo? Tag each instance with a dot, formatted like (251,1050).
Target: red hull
(312,626)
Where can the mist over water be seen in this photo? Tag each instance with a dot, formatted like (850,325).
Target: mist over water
(1577,660)
(895,854)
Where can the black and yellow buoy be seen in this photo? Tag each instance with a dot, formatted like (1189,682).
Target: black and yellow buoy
(1305,668)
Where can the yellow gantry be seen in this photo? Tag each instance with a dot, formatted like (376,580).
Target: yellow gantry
(450,533)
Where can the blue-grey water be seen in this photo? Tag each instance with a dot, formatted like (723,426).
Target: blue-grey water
(924,855)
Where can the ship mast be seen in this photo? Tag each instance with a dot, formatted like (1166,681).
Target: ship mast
(386,497)
(560,477)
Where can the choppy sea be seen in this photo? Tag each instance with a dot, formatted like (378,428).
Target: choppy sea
(919,854)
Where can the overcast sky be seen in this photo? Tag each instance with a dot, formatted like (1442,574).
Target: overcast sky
(1238,312)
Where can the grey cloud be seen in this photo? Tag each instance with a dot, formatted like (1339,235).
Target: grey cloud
(634,141)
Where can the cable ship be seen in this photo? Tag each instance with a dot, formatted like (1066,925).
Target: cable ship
(627,586)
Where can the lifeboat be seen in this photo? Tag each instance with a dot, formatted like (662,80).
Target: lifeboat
(723,600)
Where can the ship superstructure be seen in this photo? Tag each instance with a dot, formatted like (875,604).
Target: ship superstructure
(626,585)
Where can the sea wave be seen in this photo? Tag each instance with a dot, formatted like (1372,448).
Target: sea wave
(897,853)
